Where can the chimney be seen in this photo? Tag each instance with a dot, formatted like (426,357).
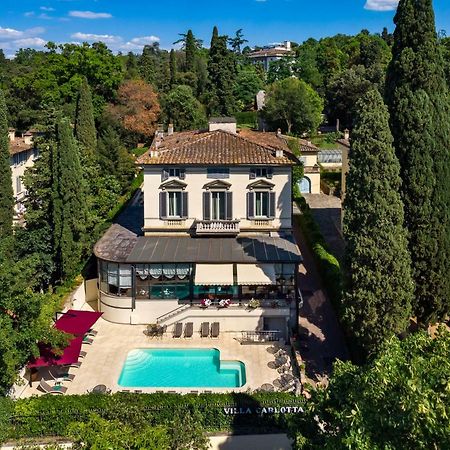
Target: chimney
(27,138)
(154,153)
(279,132)
(279,153)
(287,45)
(170,129)
(160,131)
(223,123)
(11,134)
(347,134)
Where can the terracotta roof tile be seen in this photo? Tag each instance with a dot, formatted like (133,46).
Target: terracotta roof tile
(219,147)
(18,145)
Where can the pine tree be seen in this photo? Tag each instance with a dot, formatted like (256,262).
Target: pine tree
(191,50)
(173,68)
(378,282)
(222,75)
(85,131)
(418,100)
(69,202)
(6,190)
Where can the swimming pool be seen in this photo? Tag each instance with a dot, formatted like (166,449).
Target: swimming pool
(180,368)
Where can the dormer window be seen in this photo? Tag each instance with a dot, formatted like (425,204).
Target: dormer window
(261,172)
(173,172)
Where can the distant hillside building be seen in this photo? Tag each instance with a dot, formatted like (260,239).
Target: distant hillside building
(269,54)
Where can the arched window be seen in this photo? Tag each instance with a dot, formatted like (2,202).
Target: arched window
(305,185)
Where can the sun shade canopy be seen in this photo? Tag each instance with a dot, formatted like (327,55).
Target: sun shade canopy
(77,322)
(72,322)
(214,274)
(48,358)
(250,274)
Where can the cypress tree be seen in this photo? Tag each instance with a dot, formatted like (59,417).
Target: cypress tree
(418,100)
(173,68)
(222,75)
(69,202)
(6,190)
(85,131)
(191,50)
(378,282)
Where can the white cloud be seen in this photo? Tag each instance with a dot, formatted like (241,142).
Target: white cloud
(89,15)
(29,14)
(33,42)
(7,34)
(91,37)
(381,5)
(46,8)
(138,43)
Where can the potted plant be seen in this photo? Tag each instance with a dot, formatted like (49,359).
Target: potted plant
(224,303)
(254,303)
(206,302)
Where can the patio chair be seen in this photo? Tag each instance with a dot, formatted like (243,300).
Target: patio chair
(58,375)
(204,330)
(177,330)
(56,389)
(189,330)
(215,330)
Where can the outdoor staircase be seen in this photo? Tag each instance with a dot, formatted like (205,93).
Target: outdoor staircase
(175,312)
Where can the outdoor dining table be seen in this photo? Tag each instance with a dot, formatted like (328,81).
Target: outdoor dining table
(99,389)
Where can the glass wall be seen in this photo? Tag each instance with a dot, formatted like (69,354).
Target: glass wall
(116,279)
(163,281)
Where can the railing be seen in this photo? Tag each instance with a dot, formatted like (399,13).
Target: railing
(217,227)
(173,313)
(262,223)
(260,336)
(174,223)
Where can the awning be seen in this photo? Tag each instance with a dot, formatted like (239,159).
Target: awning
(77,322)
(73,322)
(214,274)
(250,274)
(48,358)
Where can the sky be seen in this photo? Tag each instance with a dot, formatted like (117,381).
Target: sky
(127,25)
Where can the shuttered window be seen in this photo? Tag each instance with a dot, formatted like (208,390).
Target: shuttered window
(218,205)
(261,204)
(173,205)
(218,173)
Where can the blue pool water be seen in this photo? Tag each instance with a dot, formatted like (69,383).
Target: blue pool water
(181,368)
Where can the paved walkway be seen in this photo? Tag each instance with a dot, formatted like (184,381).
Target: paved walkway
(256,441)
(325,342)
(326,210)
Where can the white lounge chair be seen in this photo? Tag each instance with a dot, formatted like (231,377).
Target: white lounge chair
(58,375)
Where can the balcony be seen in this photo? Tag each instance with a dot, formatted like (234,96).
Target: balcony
(217,227)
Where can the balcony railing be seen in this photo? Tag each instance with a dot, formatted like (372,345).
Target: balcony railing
(217,227)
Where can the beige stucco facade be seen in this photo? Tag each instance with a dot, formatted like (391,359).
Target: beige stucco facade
(196,178)
(18,171)
(311,174)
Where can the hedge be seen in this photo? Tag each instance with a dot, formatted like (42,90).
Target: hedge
(50,415)
(328,266)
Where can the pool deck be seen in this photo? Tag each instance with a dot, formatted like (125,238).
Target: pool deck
(107,354)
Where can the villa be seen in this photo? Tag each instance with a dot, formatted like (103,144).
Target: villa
(23,153)
(210,237)
(270,54)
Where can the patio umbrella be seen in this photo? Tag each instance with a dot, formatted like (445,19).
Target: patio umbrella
(273,365)
(281,360)
(267,387)
(287,377)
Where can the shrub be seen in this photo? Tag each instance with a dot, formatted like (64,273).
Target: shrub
(51,416)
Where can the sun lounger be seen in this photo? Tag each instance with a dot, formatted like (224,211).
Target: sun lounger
(138,391)
(74,365)
(215,330)
(58,375)
(204,330)
(193,392)
(177,330)
(56,389)
(83,354)
(92,332)
(87,340)
(188,330)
